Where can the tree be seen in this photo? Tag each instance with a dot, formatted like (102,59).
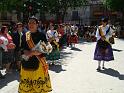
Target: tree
(20,6)
(10,5)
(60,7)
(116,5)
(57,7)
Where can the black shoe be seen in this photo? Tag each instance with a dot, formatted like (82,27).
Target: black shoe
(2,76)
(98,69)
(103,67)
(18,70)
(1,68)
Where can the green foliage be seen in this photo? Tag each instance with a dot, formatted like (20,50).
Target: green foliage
(57,7)
(44,5)
(115,4)
(60,7)
(9,5)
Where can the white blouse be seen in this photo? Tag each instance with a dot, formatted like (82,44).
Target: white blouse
(104,29)
(54,34)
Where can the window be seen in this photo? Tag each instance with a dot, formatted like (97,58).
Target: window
(75,15)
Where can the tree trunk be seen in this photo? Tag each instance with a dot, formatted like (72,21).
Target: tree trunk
(19,16)
(42,16)
(58,17)
(25,16)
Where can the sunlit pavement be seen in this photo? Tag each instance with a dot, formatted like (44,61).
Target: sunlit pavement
(76,72)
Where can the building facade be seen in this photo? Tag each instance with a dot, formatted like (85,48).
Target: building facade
(6,18)
(89,14)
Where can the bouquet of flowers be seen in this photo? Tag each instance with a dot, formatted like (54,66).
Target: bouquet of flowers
(40,47)
(43,47)
(4,44)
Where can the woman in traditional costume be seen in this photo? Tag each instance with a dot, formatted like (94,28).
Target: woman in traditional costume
(62,35)
(53,38)
(103,51)
(74,36)
(34,76)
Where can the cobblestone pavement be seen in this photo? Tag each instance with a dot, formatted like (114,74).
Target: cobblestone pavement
(76,72)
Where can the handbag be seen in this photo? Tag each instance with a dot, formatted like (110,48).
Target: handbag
(111,40)
(28,65)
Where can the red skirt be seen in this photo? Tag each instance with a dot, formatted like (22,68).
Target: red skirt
(72,39)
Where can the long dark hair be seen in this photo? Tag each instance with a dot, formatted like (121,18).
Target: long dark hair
(105,20)
(3,29)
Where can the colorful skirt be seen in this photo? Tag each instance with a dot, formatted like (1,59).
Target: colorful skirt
(34,81)
(54,55)
(72,39)
(106,56)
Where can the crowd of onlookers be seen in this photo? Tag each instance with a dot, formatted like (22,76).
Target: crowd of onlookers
(64,34)
(11,37)
(88,33)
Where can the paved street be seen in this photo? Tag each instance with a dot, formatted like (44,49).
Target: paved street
(77,72)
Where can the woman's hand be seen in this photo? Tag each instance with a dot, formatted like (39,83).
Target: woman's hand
(31,53)
(1,41)
(103,38)
(11,46)
(36,53)
(51,39)
(28,53)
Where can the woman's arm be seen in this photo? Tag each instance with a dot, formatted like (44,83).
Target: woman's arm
(1,41)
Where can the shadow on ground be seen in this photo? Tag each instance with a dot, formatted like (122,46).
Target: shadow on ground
(56,68)
(113,73)
(64,55)
(75,49)
(56,65)
(9,78)
(84,41)
(117,50)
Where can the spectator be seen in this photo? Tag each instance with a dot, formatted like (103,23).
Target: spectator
(17,39)
(7,56)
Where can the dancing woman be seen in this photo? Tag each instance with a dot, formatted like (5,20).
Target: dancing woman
(103,51)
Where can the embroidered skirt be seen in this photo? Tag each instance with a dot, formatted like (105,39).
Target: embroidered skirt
(34,81)
(106,56)
(55,54)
